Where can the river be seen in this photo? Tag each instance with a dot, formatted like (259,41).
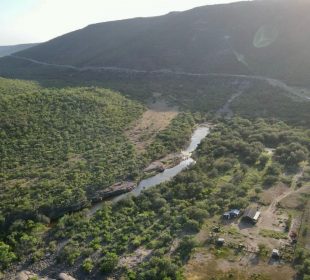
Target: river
(198,135)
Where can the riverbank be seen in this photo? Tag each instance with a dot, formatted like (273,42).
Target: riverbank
(200,132)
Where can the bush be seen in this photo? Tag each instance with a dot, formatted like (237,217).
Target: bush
(191,226)
(6,255)
(109,262)
(270,180)
(186,246)
(262,160)
(262,250)
(288,223)
(88,265)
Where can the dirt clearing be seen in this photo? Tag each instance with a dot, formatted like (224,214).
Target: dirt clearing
(204,266)
(156,118)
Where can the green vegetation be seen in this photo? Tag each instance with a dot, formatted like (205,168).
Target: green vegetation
(6,255)
(61,146)
(302,254)
(302,262)
(163,220)
(172,138)
(273,234)
(205,94)
(262,100)
(57,148)
(108,262)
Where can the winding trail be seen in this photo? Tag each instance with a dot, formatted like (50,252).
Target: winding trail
(225,110)
(301,93)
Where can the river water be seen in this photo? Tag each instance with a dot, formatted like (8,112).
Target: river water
(198,135)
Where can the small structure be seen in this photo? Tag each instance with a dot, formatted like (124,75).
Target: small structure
(234,213)
(275,254)
(226,216)
(220,241)
(231,214)
(251,215)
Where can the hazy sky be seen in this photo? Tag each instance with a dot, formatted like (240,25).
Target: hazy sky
(27,21)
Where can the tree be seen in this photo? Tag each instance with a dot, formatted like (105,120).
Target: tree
(6,255)
(186,246)
(262,160)
(109,262)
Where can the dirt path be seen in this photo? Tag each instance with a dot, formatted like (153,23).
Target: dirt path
(301,93)
(273,206)
(225,110)
(271,217)
(296,178)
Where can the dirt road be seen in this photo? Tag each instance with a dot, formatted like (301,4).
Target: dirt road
(302,93)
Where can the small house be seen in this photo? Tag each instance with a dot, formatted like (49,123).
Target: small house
(251,215)
(226,216)
(220,241)
(234,213)
(275,254)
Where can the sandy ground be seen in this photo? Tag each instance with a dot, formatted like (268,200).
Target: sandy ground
(135,258)
(204,266)
(156,118)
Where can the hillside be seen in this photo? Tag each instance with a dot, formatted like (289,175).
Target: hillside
(252,97)
(58,147)
(255,37)
(65,149)
(8,50)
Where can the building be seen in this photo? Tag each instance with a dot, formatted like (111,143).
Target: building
(231,214)
(275,254)
(235,213)
(220,241)
(251,215)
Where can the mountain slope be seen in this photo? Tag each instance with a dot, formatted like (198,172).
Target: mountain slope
(58,147)
(267,38)
(8,50)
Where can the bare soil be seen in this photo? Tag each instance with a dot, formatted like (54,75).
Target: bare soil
(155,119)
(205,266)
(135,258)
(295,200)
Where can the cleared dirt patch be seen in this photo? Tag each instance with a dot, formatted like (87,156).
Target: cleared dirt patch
(296,199)
(135,258)
(272,218)
(156,118)
(205,266)
(273,193)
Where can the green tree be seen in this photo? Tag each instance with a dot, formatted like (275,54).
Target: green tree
(109,262)
(6,255)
